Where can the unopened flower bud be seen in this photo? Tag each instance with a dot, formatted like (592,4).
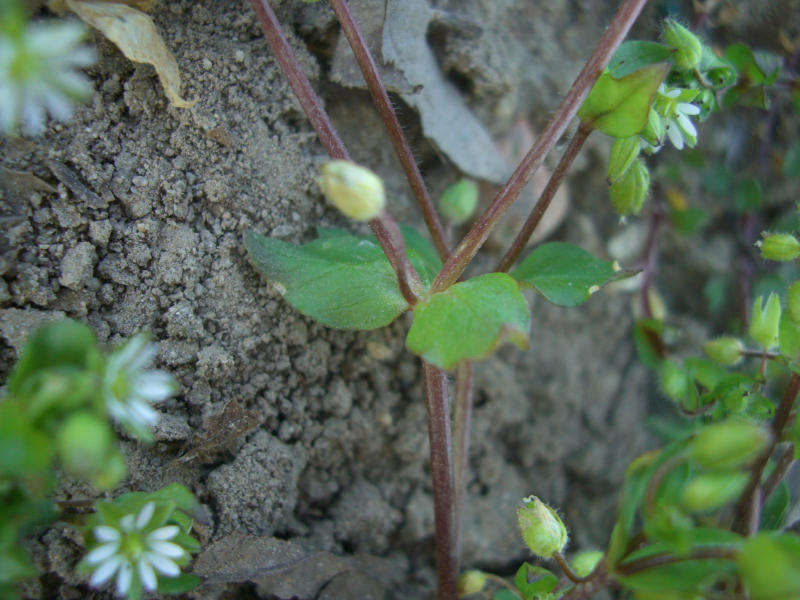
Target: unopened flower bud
(542,529)
(629,191)
(471,582)
(689,48)
(584,563)
(353,189)
(765,321)
(793,301)
(781,247)
(83,442)
(655,130)
(725,351)
(729,444)
(709,491)
(459,200)
(623,152)
(674,380)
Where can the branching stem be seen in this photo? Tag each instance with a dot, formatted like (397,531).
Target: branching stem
(472,242)
(381,99)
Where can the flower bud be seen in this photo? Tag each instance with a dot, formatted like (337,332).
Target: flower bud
(542,529)
(765,321)
(459,200)
(725,351)
(793,301)
(584,563)
(471,582)
(655,130)
(623,152)
(83,443)
(729,444)
(353,189)
(629,191)
(689,48)
(674,381)
(709,491)
(781,247)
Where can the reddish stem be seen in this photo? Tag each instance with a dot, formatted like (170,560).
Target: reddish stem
(462,418)
(381,99)
(439,433)
(472,242)
(383,226)
(549,192)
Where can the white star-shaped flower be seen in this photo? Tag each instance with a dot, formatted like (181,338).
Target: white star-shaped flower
(39,73)
(678,126)
(134,549)
(129,390)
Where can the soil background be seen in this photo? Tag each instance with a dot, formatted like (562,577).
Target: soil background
(140,226)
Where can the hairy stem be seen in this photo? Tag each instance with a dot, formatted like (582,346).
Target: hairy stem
(746,519)
(571,575)
(472,242)
(462,419)
(439,433)
(383,226)
(519,243)
(401,147)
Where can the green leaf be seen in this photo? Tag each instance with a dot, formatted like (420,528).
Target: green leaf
(770,566)
(421,254)
(776,507)
(469,320)
(647,340)
(719,72)
(504,595)
(683,574)
(563,273)
(633,55)
(15,564)
(342,281)
(620,107)
(531,580)
(178,585)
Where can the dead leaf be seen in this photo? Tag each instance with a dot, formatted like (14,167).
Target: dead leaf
(135,34)
(222,431)
(446,119)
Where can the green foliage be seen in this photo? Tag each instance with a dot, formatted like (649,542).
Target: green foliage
(532,581)
(459,200)
(770,565)
(469,320)
(564,274)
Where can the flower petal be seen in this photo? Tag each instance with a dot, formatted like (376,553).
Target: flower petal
(124,578)
(155,385)
(147,575)
(142,414)
(145,515)
(688,109)
(167,549)
(102,553)
(163,533)
(163,565)
(674,135)
(687,126)
(127,522)
(104,533)
(105,571)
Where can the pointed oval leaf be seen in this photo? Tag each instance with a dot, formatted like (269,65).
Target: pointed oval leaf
(342,281)
(563,273)
(469,320)
(621,107)
(635,54)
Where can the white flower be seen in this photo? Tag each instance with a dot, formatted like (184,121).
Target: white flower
(679,128)
(129,391)
(135,549)
(39,65)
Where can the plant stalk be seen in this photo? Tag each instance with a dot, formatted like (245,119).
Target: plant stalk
(401,147)
(549,192)
(439,434)
(462,420)
(383,226)
(472,242)
(746,519)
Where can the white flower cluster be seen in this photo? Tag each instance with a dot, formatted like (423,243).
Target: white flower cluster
(134,548)
(39,74)
(129,390)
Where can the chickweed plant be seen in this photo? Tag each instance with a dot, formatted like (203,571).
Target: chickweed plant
(702,517)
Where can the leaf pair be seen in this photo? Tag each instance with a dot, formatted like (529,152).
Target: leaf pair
(346,282)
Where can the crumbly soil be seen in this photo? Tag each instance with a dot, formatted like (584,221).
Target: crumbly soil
(141,226)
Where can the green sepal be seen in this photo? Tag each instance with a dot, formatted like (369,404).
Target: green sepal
(620,107)
(469,320)
(565,274)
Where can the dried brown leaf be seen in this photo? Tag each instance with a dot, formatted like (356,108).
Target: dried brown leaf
(222,431)
(135,34)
